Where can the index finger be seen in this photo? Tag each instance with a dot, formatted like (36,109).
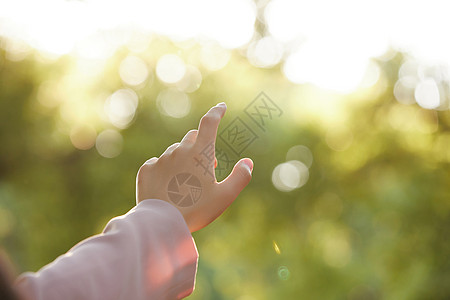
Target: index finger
(207,130)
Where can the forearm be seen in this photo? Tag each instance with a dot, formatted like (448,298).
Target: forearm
(147,253)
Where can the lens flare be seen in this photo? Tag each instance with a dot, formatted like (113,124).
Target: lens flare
(283,273)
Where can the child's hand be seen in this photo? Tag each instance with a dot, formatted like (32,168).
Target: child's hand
(178,177)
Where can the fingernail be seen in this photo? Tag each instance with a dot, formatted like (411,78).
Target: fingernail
(222,104)
(248,163)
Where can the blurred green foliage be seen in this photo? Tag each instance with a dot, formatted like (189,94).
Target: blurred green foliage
(372,222)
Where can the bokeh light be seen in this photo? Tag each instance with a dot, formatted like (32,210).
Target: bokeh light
(121,107)
(83,137)
(284,273)
(191,80)
(133,70)
(170,68)
(427,94)
(109,143)
(290,175)
(349,189)
(174,103)
(213,57)
(300,153)
(265,53)
(404,89)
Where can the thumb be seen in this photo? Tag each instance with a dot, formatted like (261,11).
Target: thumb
(238,178)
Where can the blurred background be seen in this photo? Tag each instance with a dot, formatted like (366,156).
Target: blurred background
(350,195)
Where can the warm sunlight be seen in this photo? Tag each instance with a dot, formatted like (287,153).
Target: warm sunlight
(326,43)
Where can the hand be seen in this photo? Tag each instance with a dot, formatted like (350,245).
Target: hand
(178,177)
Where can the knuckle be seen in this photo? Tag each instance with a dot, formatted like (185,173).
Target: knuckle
(177,151)
(163,158)
(151,161)
(148,165)
(176,146)
(210,118)
(181,150)
(144,167)
(142,170)
(183,147)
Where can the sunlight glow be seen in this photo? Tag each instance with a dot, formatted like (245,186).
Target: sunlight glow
(332,45)
(329,48)
(327,64)
(77,21)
